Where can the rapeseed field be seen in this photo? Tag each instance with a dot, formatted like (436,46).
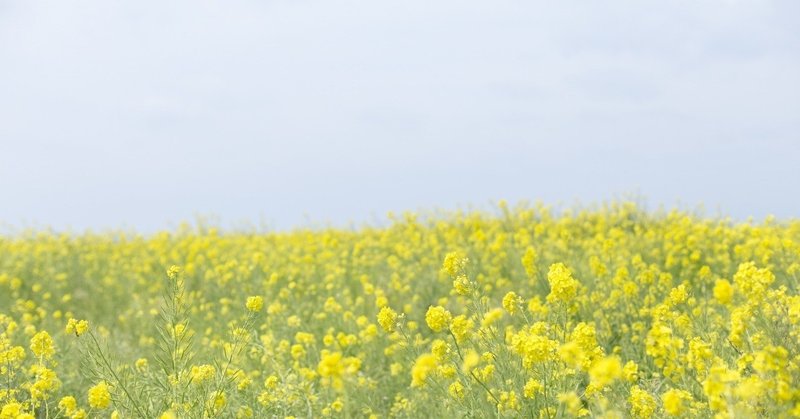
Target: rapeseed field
(521,311)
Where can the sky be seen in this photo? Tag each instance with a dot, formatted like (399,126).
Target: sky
(284,114)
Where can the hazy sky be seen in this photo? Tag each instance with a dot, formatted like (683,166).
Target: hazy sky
(141,114)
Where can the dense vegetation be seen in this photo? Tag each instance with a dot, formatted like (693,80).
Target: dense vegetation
(612,312)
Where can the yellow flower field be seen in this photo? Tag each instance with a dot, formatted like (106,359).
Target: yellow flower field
(519,312)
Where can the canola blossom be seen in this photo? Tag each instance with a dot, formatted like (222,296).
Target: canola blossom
(612,312)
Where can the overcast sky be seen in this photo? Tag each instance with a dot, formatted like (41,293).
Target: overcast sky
(144,113)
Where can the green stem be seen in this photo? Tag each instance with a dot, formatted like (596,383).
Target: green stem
(116,377)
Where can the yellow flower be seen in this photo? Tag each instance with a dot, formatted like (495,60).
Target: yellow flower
(571,402)
(78,327)
(723,291)
(529,262)
(330,365)
(333,367)
(533,347)
(169,414)
(99,396)
(387,318)
(173,272)
(422,369)
(508,401)
(699,356)
(202,373)
(337,405)
(396,368)
(254,304)
(512,302)
(563,286)
(471,360)
(437,318)
(678,295)
(68,404)
(42,345)
(492,317)
(461,285)
(536,307)
(456,390)
(642,403)
(605,371)
(454,263)
(630,371)
(45,382)
(293,321)
(717,384)
(11,410)
(675,401)
(752,281)
(461,327)
(217,401)
(440,348)
(532,387)
(794,309)
(141,364)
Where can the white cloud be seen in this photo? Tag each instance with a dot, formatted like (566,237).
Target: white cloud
(146,112)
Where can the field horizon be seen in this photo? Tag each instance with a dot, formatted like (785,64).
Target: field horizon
(201,222)
(611,311)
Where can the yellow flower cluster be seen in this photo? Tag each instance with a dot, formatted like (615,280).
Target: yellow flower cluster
(99,396)
(523,312)
(387,318)
(254,304)
(202,373)
(77,327)
(562,285)
(437,318)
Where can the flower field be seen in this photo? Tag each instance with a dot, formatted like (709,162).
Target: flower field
(520,312)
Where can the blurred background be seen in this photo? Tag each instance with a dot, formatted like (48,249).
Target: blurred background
(143,114)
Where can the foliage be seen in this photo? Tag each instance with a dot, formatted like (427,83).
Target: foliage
(611,312)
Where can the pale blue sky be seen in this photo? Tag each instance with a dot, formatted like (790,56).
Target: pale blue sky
(141,114)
